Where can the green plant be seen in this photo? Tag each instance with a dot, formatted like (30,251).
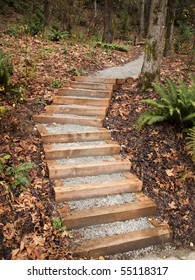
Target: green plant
(3,109)
(191,142)
(176,103)
(6,70)
(58,224)
(16,177)
(185,36)
(112,46)
(57,35)
(56,84)
(77,72)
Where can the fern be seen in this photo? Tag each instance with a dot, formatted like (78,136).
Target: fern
(191,143)
(176,103)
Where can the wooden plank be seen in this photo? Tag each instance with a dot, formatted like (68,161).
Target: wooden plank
(124,242)
(76,110)
(82,151)
(76,136)
(84,92)
(88,85)
(90,169)
(42,130)
(65,119)
(95,79)
(83,191)
(108,214)
(81,101)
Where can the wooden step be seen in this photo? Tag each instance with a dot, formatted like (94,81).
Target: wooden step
(65,119)
(84,92)
(81,101)
(76,110)
(89,169)
(107,214)
(95,79)
(82,151)
(88,85)
(83,191)
(103,134)
(124,242)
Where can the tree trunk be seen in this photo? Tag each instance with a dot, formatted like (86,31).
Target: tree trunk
(47,13)
(108,34)
(95,8)
(67,15)
(171,10)
(142,17)
(154,44)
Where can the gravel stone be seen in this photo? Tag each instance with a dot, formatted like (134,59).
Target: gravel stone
(109,200)
(82,160)
(103,230)
(76,144)
(64,128)
(93,179)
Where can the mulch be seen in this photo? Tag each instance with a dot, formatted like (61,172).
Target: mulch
(159,158)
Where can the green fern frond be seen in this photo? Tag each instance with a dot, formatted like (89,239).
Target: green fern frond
(189,117)
(172,90)
(162,92)
(153,103)
(150,118)
(191,143)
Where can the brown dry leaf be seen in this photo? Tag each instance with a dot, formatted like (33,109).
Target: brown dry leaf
(172,205)
(169,172)
(9,231)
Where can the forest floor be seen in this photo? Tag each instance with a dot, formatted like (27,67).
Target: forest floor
(158,153)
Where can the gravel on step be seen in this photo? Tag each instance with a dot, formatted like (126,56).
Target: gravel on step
(82,160)
(109,200)
(76,144)
(80,106)
(65,128)
(72,115)
(93,179)
(110,229)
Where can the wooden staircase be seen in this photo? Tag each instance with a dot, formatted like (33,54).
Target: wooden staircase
(79,153)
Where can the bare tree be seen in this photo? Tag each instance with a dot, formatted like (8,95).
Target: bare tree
(154,44)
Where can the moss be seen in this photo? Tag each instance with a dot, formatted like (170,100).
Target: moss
(151,51)
(147,78)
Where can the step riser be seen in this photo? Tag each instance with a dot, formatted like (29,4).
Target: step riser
(84,92)
(76,111)
(77,101)
(76,137)
(91,86)
(64,193)
(58,172)
(125,242)
(105,215)
(64,120)
(82,152)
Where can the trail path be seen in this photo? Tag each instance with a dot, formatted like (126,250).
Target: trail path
(130,69)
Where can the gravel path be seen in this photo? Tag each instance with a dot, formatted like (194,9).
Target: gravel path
(130,69)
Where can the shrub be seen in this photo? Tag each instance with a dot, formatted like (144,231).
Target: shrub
(176,103)
(57,35)
(6,70)
(15,178)
(112,46)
